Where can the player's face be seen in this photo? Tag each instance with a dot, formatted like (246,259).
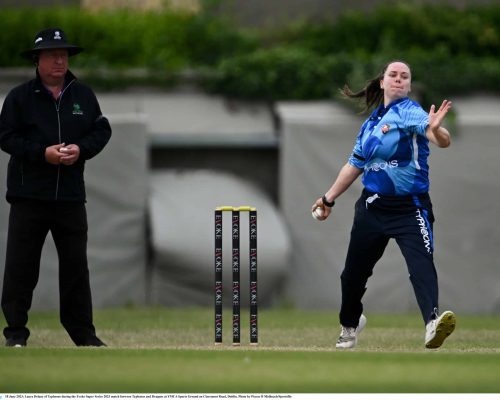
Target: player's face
(396,82)
(53,65)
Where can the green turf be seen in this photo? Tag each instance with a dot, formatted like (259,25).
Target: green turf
(171,351)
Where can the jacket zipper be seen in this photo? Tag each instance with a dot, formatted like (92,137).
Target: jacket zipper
(57,105)
(59,135)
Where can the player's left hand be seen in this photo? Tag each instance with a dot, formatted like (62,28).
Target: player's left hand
(436,117)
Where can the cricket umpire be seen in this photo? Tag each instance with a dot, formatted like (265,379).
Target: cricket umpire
(50,126)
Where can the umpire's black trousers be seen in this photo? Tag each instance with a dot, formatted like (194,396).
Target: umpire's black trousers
(409,220)
(29,223)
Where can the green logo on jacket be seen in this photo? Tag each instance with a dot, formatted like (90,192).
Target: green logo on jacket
(77,110)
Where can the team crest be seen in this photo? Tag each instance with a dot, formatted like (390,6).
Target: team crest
(77,110)
(385,128)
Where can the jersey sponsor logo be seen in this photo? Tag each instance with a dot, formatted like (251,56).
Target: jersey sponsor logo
(424,231)
(380,166)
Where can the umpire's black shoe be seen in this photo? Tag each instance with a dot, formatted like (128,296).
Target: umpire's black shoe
(15,342)
(92,341)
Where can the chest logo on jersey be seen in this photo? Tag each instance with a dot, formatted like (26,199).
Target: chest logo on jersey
(385,128)
(77,110)
(381,166)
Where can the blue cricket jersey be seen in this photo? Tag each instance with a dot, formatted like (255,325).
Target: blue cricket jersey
(392,149)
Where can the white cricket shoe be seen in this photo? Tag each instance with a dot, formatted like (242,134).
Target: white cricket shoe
(349,336)
(437,330)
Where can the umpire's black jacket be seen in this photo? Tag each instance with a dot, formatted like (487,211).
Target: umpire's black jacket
(31,120)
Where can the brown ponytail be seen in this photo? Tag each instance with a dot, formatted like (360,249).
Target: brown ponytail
(372,92)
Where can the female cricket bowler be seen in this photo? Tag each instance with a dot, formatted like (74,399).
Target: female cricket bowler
(391,152)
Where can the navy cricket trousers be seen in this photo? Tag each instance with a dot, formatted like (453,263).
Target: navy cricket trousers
(29,224)
(408,220)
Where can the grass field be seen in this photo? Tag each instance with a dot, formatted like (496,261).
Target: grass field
(159,350)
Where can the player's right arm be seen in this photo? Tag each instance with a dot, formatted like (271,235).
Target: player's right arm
(347,175)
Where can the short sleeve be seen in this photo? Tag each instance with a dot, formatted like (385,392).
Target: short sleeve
(417,120)
(356,158)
